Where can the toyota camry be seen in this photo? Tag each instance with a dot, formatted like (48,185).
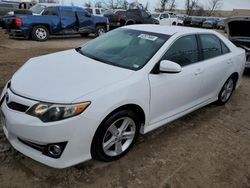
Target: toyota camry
(93,101)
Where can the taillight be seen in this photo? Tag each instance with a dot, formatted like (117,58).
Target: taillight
(18,22)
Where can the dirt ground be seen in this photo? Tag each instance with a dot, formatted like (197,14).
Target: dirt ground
(208,148)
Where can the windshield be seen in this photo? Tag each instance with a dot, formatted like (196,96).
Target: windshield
(155,15)
(37,9)
(126,48)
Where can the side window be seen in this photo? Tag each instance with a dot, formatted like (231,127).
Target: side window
(165,16)
(144,14)
(80,14)
(50,11)
(224,48)
(184,51)
(68,13)
(210,46)
(97,11)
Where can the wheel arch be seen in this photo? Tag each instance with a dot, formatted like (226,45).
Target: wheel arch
(133,107)
(130,22)
(101,24)
(235,76)
(43,24)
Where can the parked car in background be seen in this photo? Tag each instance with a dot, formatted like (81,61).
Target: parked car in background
(115,17)
(167,18)
(95,11)
(10,8)
(56,20)
(130,17)
(239,34)
(221,24)
(197,21)
(210,23)
(129,81)
(187,20)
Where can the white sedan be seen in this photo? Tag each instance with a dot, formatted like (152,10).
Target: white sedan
(93,102)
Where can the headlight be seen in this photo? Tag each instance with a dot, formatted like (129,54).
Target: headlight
(56,112)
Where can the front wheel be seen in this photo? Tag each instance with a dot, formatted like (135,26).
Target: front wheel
(226,91)
(115,136)
(40,33)
(100,30)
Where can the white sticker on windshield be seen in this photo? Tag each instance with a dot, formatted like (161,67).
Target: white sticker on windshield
(148,37)
(136,66)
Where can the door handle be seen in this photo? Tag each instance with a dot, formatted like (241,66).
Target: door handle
(230,61)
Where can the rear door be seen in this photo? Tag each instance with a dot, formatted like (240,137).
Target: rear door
(68,18)
(217,63)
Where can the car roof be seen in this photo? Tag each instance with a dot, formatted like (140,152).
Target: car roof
(168,30)
(48,4)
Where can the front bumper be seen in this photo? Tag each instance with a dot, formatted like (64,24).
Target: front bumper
(77,132)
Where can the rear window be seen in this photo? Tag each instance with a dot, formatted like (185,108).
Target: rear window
(97,11)
(211,46)
(50,11)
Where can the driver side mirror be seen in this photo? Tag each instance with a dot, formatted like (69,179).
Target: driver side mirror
(169,67)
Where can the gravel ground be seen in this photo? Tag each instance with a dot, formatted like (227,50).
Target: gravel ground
(207,148)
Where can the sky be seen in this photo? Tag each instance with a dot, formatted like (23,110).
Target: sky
(226,4)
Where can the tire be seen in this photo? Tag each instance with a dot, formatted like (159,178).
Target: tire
(100,30)
(226,91)
(40,33)
(174,23)
(84,34)
(112,139)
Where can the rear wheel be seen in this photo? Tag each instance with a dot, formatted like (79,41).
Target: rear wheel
(226,91)
(115,136)
(100,30)
(40,33)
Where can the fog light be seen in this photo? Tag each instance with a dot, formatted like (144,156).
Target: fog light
(55,150)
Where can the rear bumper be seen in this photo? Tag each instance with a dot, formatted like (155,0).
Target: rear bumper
(15,32)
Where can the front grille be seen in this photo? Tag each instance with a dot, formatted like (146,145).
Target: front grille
(17,106)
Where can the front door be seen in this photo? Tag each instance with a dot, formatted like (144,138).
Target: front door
(174,93)
(68,18)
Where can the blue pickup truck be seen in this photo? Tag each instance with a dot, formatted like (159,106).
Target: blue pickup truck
(56,20)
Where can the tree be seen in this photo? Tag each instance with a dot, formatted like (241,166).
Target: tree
(215,4)
(87,4)
(171,5)
(146,6)
(114,4)
(190,6)
(163,4)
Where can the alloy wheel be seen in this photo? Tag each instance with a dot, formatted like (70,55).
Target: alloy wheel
(119,136)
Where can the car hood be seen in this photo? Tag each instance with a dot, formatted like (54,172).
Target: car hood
(64,76)
(237,32)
